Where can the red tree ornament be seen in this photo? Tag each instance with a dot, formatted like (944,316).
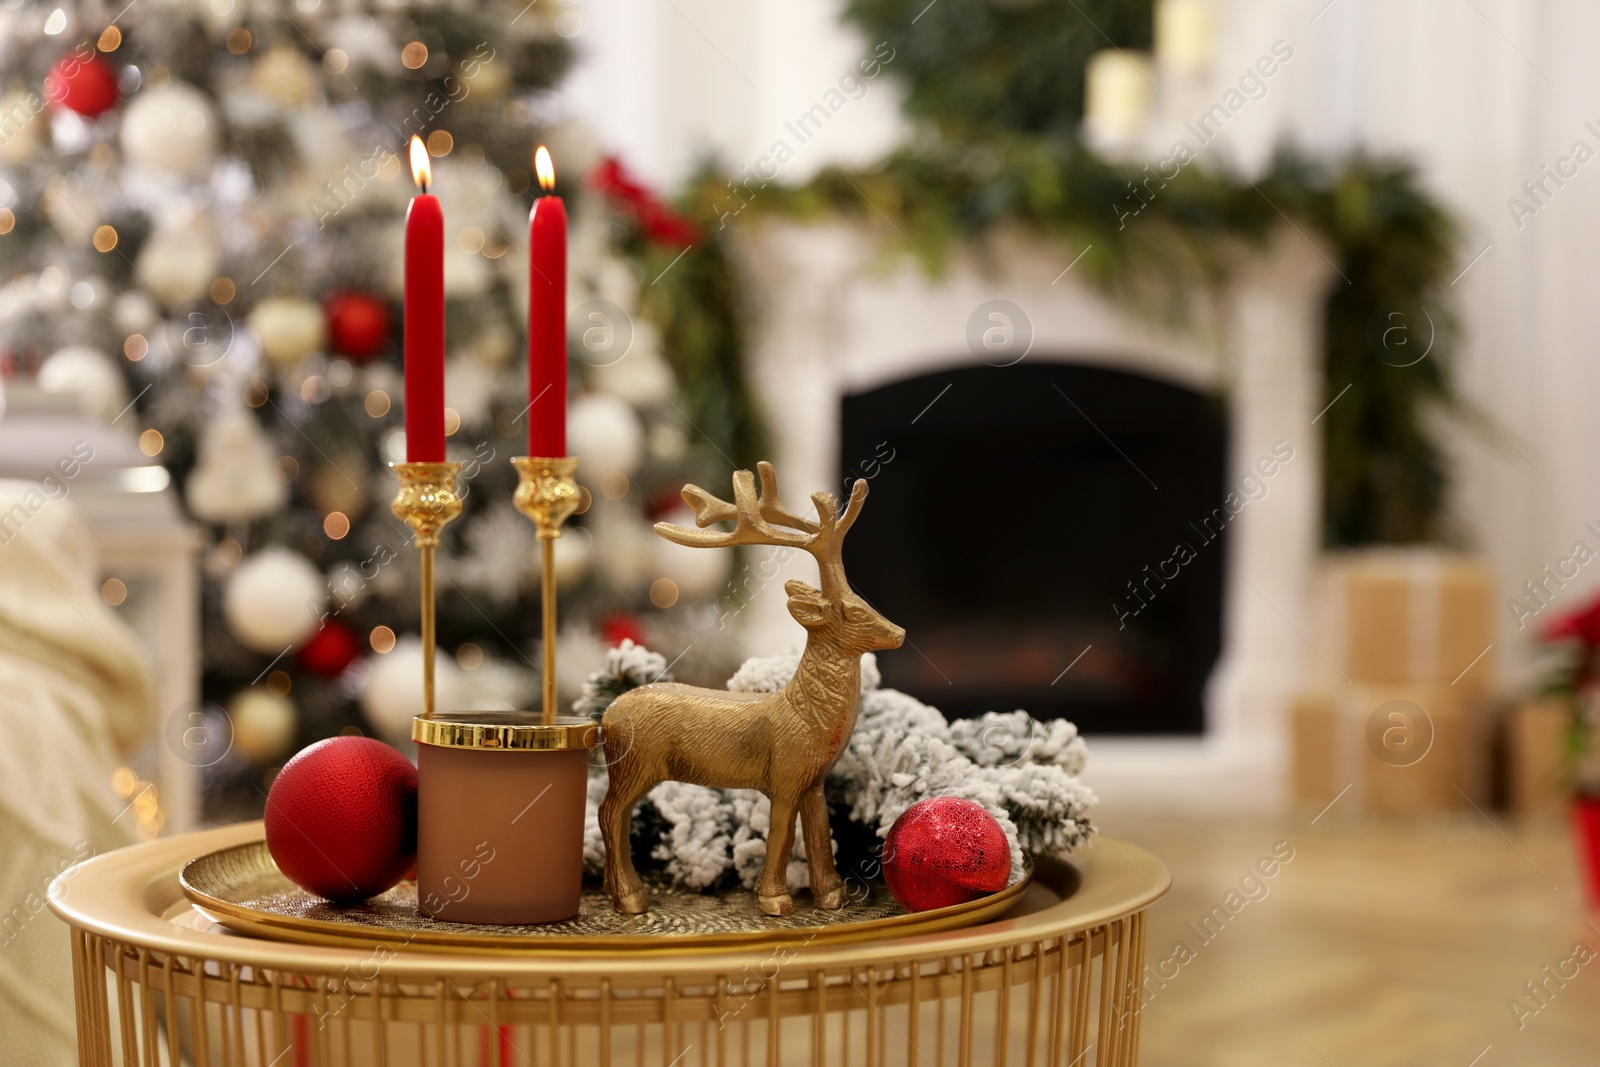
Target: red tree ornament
(358,324)
(342,818)
(943,851)
(82,82)
(330,650)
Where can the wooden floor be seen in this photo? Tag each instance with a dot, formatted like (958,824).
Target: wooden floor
(1378,944)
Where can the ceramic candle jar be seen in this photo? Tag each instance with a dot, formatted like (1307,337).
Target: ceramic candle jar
(500,801)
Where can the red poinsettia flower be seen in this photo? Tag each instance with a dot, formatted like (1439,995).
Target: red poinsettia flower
(668,227)
(1581,625)
(613,179)
(657,221)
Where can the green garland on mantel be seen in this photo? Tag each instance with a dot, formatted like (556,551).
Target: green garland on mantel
(1384,476)
(975,66)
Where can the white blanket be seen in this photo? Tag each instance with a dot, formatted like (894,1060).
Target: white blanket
(76,697)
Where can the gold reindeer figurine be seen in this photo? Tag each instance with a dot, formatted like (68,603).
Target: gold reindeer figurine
(783,743)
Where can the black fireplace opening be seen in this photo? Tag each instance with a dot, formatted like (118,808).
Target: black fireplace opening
(1050,535)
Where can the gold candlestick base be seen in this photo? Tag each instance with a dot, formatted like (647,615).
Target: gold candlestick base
(547,493)
(427,502)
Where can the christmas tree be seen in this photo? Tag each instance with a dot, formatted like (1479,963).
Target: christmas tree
(200,213)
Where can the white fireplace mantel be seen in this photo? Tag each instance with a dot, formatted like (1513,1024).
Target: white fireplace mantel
(834,317)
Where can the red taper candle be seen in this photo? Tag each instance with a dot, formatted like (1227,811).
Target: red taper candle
(424,317)
(547,317)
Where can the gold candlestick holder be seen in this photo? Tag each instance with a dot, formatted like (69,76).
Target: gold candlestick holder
(548,494)
(427,502)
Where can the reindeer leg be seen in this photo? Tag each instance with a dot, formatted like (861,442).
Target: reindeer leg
(628,894)
(772,888)
(827,888)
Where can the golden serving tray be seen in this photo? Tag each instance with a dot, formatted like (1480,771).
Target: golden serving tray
(242,889)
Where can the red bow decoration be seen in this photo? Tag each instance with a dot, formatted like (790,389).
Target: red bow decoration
(656,220)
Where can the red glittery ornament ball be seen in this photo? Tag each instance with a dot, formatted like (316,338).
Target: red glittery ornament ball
(943,851)
(82,83)
(342,818)
(358,325)
(330,650)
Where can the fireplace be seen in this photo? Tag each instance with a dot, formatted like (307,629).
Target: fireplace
(1111,442)
(1060,602)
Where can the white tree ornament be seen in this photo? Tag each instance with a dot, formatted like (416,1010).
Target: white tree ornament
(605,434)
(172,128)
(274,601)
(288,328)
(393,696)
(235,479)
(89,375)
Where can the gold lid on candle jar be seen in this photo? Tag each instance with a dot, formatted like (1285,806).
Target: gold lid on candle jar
(504,731)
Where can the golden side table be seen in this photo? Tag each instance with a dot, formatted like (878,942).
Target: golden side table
(1053,983)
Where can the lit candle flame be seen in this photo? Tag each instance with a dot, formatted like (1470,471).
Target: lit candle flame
(421,172)
(545,168)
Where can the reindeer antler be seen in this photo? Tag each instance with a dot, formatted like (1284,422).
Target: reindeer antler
(772,508)
(763,520)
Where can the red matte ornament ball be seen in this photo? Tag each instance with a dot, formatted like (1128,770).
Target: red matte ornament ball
(358,324)
(330,650)
(342,818)
(944,851)
(85,84)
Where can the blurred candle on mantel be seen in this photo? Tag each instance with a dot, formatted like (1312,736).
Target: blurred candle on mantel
(1184,35)
(547,316)
(1118,89)
(424,316)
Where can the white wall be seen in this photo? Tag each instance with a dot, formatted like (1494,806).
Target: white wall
(667,82)
(1479,92)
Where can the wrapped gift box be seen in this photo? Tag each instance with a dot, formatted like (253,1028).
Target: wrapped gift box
(1536,764)
(1403,749)
(1405,617)
(1315,750)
